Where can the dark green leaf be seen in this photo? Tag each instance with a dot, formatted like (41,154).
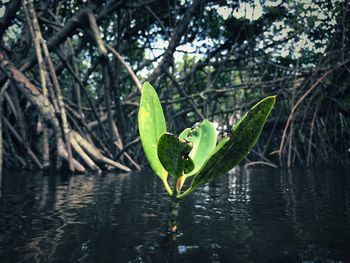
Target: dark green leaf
(230,152)
(173,154)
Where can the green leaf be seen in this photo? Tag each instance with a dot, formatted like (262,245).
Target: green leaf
(152,125)
(232,150)
(203,139)
(173,154)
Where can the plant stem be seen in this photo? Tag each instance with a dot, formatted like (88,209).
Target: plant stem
(173,215)
(174,212)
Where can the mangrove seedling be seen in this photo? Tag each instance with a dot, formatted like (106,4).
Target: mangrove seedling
(195,152)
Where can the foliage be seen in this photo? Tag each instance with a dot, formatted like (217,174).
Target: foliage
(194,152)
(151,126)
(207,59)
(173,154)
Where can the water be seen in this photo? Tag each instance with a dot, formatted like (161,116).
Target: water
(255,215)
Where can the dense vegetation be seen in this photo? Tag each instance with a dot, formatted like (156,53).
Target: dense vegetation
(71,74)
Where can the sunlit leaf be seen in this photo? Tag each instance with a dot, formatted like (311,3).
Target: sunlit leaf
(152,125)
(203,139)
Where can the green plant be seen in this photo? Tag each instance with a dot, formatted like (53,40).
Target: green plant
(195,152)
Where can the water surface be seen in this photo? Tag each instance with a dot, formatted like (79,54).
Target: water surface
(254,215)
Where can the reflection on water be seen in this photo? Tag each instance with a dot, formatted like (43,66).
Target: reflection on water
(256,215)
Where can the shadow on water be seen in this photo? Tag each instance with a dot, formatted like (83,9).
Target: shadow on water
(255,215)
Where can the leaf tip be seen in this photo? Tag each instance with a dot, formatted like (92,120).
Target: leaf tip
(146,84)
(270,98)
(274,97)
(266,103)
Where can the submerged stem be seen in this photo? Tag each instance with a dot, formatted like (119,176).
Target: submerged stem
(174,212)
(173,215)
